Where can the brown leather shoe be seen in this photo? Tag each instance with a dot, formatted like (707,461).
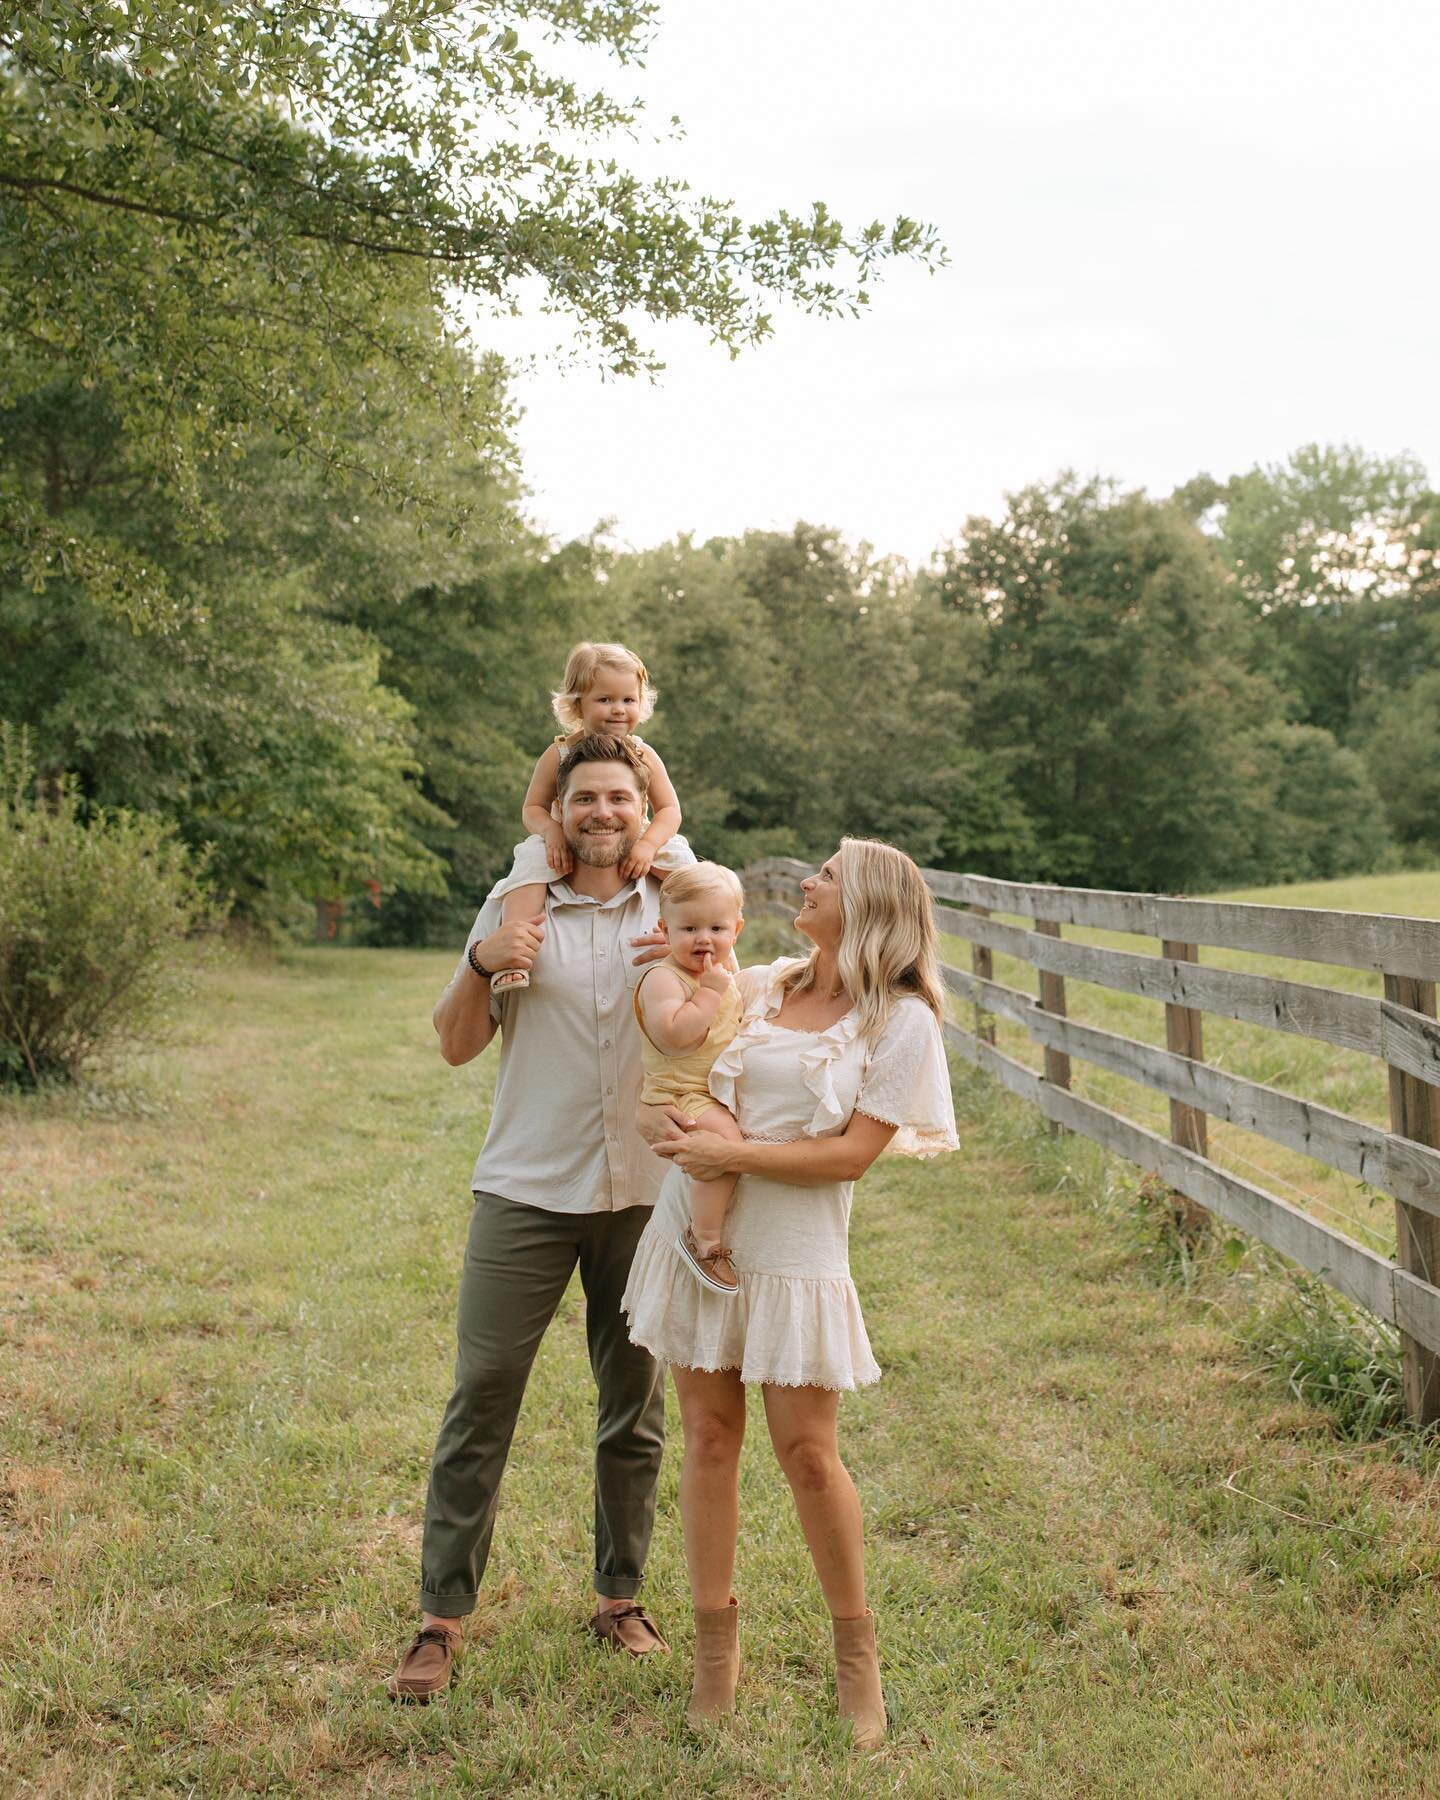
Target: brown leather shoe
(713,1267)
(426,1666)
(627,1628)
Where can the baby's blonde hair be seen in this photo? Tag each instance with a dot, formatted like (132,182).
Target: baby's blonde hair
(696,880)
(887,935)
(580,668)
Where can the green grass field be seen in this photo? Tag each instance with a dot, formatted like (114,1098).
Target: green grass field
(1345,1080)
(1106,1555)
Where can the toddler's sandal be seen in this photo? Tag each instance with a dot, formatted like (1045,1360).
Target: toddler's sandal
(507,980)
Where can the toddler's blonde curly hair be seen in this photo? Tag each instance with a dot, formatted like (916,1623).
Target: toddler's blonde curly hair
(580,669)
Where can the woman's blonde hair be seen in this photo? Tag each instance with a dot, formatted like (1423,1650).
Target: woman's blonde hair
(696,880)
(580,668)
(887,935)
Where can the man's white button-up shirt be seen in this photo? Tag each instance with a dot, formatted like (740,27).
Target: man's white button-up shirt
(562,1132)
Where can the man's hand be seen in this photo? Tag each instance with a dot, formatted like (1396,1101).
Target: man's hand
(512,946)
(638,862)
(557,851)
(662,1125)
(715,978)
(654,947)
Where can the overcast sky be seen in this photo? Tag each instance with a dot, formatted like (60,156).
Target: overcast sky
(1182,237)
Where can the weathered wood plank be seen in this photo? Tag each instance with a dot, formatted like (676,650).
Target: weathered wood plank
(1407,1171)
(989,996)
(1381,941)
(1367,1279)
(1416,1307)
(1359,1273)
(983,964)
(1052,999)
(1401,1036)
(1022,1082)
(1415,1114)
(1184,1034)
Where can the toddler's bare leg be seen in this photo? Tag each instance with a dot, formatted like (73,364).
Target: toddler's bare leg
(710,1200)
(519,903)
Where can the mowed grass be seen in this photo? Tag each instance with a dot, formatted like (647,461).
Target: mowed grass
(1343,1080)
(1106,1557)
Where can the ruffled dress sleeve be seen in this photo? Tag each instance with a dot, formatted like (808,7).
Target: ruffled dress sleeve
(906,1083)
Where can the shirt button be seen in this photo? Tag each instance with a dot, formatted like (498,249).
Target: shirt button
(609,1090)
(600,954)
(605,1044)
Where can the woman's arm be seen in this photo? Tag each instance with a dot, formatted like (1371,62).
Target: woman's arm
(809,1162)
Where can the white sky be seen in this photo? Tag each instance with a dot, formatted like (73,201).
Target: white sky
(1183,237)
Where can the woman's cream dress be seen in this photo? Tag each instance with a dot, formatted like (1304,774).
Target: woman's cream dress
(796,1319)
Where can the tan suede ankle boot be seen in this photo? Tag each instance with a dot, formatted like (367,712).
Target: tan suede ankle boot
(717,1664)
(857,1679)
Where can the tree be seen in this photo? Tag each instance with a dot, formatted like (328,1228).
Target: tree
(1111,680)
(1316,815)
(1401,747)
(249,218)
(1328,549)
(793,707)
(262,728)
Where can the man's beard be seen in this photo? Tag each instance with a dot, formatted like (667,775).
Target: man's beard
(596,856)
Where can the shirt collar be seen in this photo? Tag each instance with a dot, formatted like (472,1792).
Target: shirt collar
(562,894)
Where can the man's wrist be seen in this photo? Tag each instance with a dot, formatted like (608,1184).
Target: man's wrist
(476,966)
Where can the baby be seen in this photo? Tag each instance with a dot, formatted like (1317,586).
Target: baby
(689,1009)
(606,691)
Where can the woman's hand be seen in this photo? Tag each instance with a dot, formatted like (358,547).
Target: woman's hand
(702,1154)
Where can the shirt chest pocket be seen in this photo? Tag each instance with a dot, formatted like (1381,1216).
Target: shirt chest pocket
(632,970)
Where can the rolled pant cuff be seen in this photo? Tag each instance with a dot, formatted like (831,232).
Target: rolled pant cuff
(617,1587)
(447,1606)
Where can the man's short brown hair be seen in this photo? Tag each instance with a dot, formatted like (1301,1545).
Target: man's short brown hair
(599,748)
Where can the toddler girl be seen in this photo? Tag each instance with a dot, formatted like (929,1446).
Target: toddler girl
(689,1009)
(606,691)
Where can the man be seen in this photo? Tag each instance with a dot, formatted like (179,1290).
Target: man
(564,1177)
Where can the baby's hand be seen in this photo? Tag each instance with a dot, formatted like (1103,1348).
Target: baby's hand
(715,977)
(557,851)
(638,862)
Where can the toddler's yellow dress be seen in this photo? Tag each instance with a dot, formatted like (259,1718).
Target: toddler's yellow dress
(684,1081)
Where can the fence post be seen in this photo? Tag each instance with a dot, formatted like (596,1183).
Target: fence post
(1052,999)
(982,964)
(1415,1113)
(1185,1036)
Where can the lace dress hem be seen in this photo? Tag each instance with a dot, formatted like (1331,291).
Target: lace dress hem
(781,1330)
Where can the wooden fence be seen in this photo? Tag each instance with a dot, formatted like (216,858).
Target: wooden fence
(1399,1027)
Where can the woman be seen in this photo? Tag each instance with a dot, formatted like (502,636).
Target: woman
(838,1057)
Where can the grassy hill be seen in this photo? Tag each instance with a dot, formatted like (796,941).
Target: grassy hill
(1106,1555)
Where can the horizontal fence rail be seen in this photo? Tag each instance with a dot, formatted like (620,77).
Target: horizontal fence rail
(1399,1027)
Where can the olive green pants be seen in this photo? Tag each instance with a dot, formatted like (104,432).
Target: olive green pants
(518,1262)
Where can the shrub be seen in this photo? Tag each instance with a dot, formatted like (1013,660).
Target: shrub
(1332,1355)
(94,905)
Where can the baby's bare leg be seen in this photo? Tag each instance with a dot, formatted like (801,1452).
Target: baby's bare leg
(710,1200)
(518,903)
(523,902)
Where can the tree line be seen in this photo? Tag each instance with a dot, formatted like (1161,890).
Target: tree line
(1234,684)
(265,573)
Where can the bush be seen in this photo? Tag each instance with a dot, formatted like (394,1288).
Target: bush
(94,905)
(1329,1353)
